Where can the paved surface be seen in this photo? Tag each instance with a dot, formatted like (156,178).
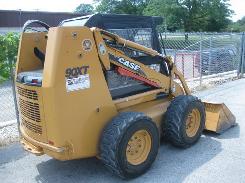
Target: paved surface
(215,158)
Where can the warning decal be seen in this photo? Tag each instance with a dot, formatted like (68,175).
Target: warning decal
(79,82)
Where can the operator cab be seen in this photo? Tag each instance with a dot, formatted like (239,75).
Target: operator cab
(139,29)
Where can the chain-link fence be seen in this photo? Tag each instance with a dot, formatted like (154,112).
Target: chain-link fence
(205,58)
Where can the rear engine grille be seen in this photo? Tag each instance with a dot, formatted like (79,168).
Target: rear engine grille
(33,127)
(30,94)
(30,110)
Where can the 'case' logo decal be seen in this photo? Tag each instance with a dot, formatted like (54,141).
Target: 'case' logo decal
(130,65)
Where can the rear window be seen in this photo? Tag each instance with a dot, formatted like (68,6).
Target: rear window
(78,22)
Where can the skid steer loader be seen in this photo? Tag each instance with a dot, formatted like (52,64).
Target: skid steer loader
(86,92)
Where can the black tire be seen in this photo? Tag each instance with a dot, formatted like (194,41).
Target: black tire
(115,138)
(174,121)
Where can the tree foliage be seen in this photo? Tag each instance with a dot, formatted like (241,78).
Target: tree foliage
(192,15)
(238,26)
(8,52)
(84,9)
(187,15)
(122,6)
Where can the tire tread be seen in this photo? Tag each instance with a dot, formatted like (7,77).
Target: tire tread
(173,119)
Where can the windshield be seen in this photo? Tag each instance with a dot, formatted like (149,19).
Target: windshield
(141,36)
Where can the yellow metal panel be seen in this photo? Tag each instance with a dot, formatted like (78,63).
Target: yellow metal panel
(102,49)
(154,109)
(74,119)
(26,60)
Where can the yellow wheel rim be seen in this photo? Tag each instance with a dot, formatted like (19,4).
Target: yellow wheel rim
(138,148)
(193,122)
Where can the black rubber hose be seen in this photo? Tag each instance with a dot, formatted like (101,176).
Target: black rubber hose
(29,22)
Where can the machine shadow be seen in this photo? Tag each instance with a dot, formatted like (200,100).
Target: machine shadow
(171,165)
(83,170)
(12,152)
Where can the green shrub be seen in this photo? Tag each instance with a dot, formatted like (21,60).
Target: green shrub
(8,53)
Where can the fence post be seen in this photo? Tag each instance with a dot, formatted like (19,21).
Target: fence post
(14,93)
(210,54)
(200,60)
(183,63)
(243,54)
(165,28)
(175,56)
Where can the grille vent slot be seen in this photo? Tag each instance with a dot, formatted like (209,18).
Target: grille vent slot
(30,110)
(32,127)
(30,94)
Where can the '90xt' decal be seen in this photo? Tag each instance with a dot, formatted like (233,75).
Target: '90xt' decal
(76,71)
(77,78)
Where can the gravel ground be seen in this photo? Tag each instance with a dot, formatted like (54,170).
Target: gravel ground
(7,110)
(8,130)
(211,81)
(9,134)
(215,158)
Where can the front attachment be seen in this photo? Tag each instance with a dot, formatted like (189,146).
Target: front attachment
(218,117)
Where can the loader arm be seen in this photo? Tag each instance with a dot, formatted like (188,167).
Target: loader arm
(135,69)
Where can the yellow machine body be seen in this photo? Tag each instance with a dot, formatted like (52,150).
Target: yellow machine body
(67,123)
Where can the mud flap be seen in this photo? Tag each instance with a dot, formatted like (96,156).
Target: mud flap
(218,117)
